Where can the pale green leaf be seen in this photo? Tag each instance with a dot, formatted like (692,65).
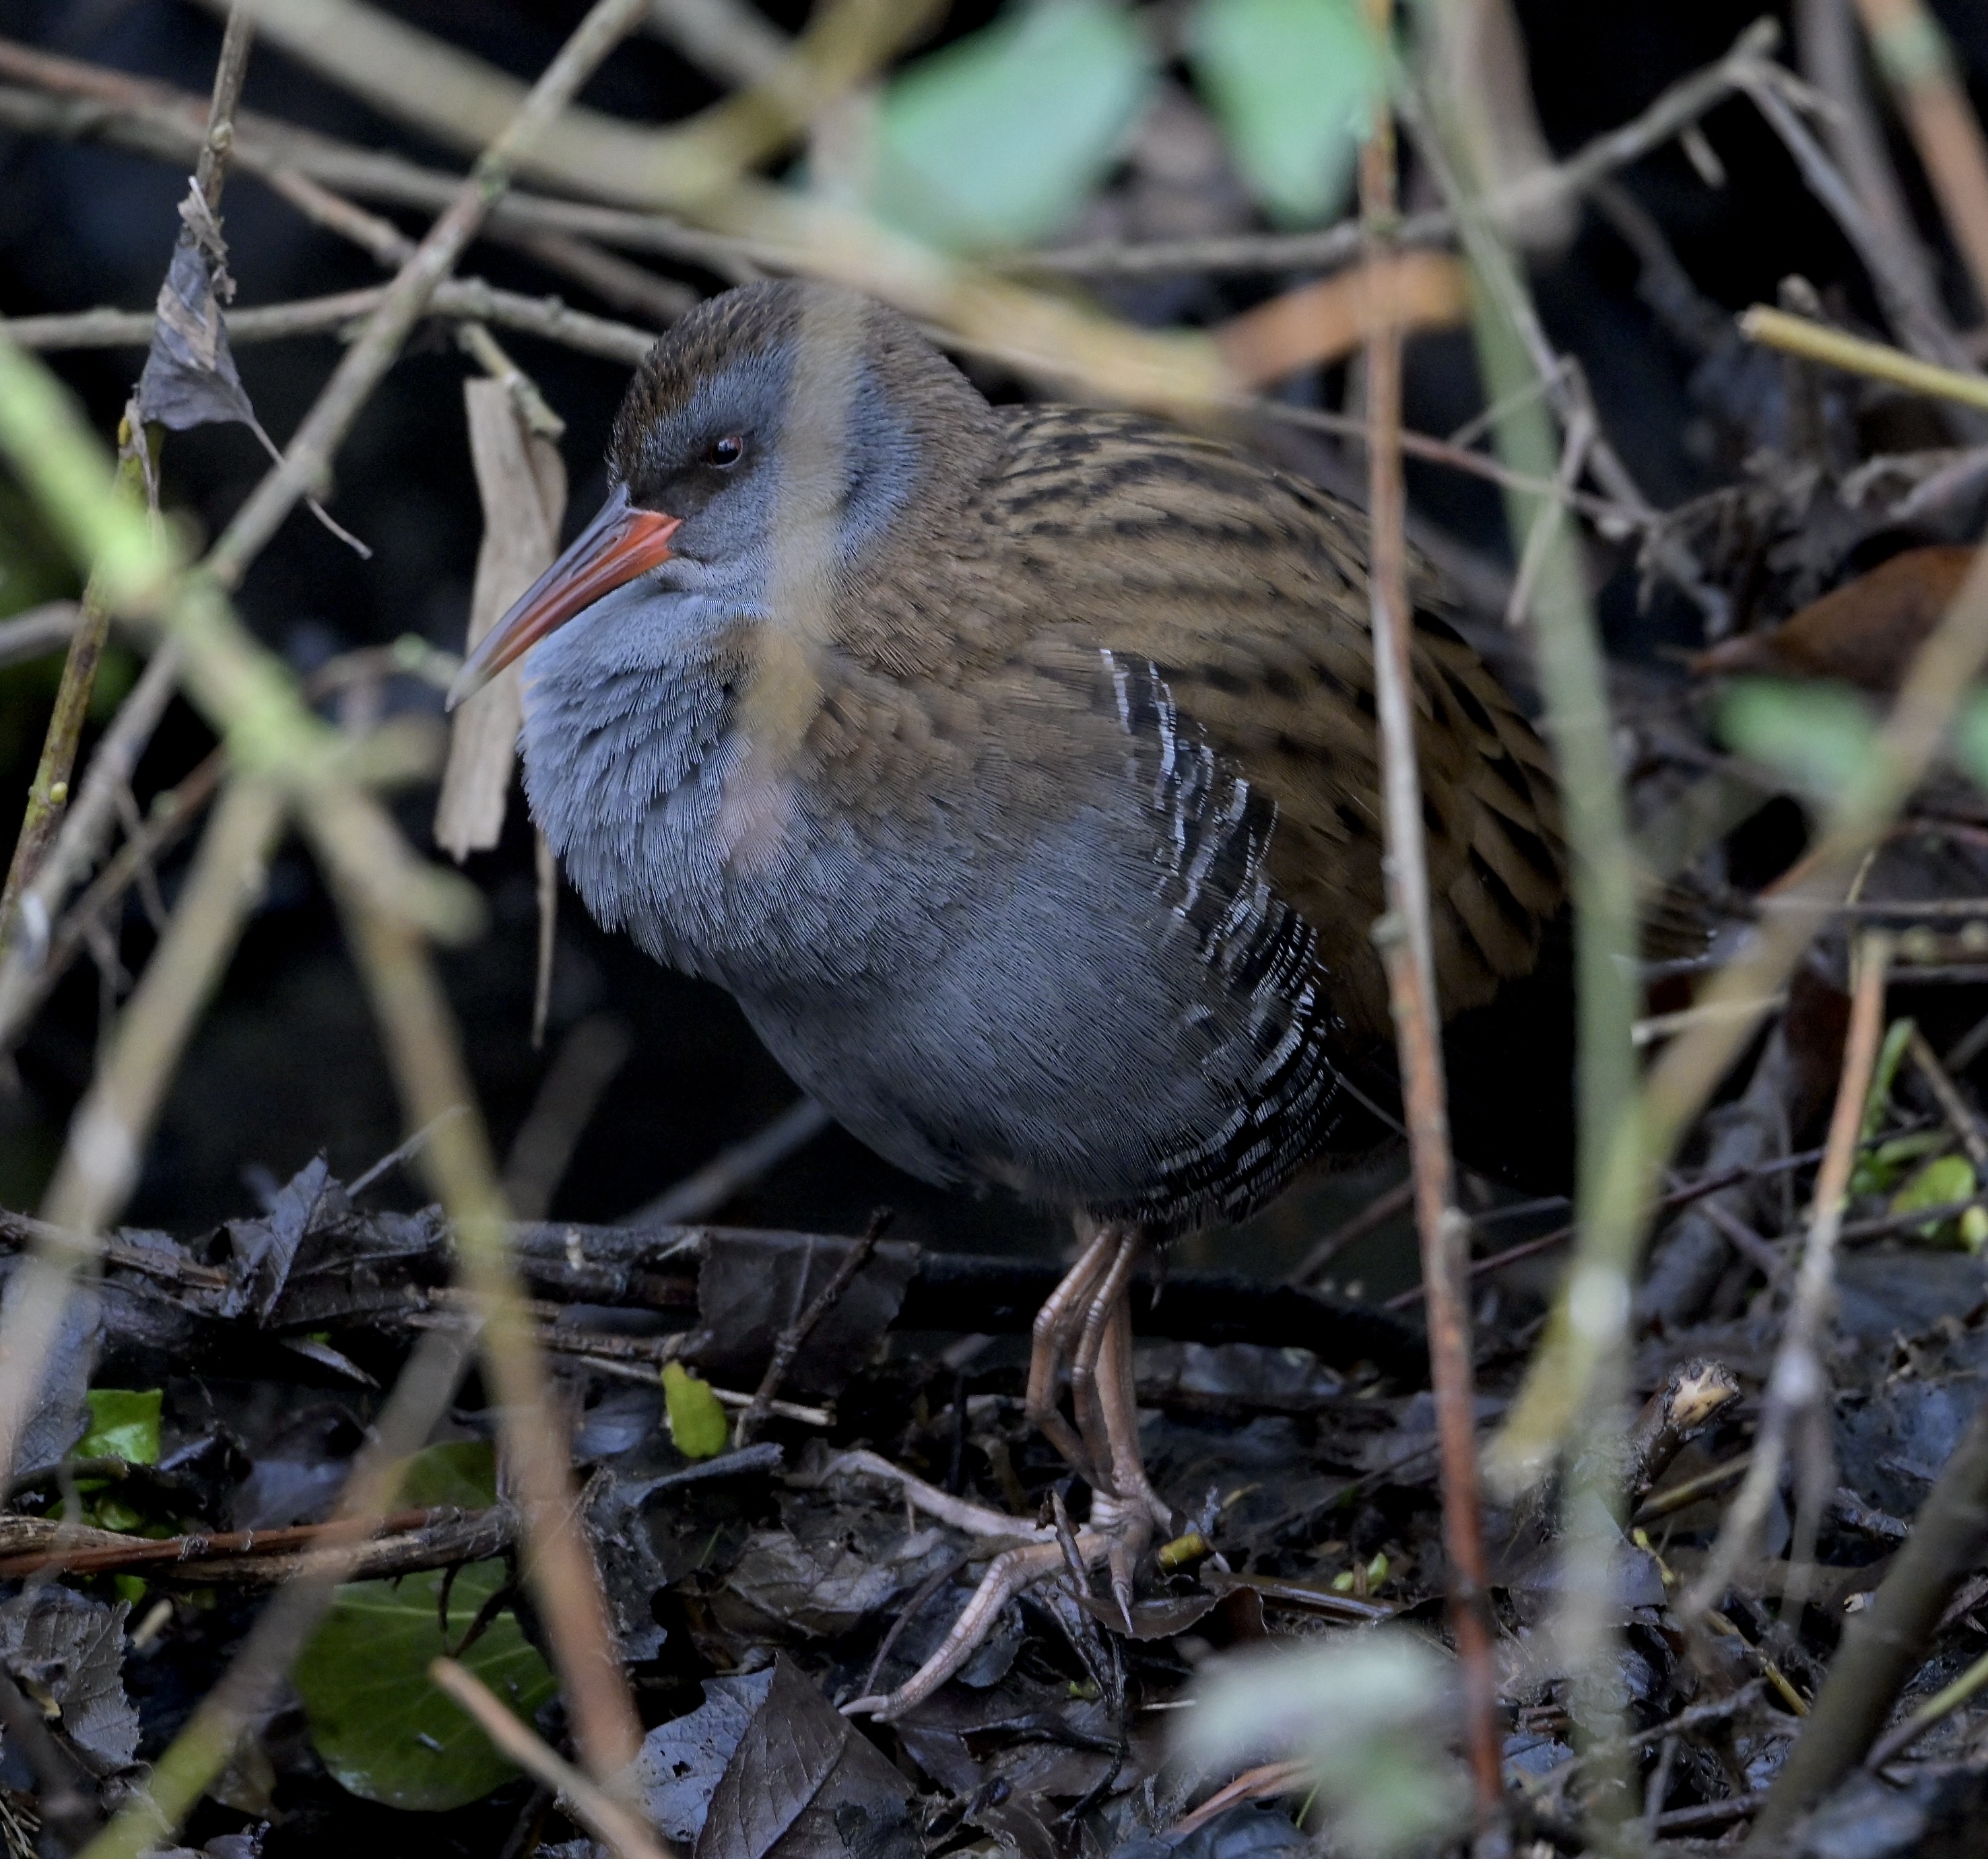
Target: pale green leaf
(1940,1183)
(997,141)
(698,1426)
(1293,83)
(123,1424)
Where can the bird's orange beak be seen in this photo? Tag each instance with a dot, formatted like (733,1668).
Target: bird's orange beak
(621,542)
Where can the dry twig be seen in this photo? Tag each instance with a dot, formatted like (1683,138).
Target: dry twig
(602,1815)
(1797,1386)
(1913,54)
(1883,1645)
(788,1344)
(1406,945)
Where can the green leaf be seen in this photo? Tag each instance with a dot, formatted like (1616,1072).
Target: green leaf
(1818,736)
(463,1472)
(698,1426)
(996,140)
(123,1424)
(1940,1182)
(1293,83)
(381,1728)
(1879,1169)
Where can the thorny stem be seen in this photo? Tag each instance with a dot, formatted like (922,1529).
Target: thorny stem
(307,457)
(1405,938)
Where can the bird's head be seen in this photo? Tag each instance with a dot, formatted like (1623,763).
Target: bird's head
(781,426)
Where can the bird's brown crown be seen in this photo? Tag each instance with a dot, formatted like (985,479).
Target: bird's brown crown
(768,322)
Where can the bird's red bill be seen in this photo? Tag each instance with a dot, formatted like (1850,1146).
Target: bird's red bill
(621,542)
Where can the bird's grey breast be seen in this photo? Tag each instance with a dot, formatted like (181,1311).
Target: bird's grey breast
(1102,999)
(646,786)
(1111,1004)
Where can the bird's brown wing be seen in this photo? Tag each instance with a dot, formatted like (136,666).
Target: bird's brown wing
(1245,591)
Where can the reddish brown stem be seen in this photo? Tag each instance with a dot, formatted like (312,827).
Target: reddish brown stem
(1403,935)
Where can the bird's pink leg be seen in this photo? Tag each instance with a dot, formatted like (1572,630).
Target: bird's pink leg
(1058,1328)
(1085,1327)
(1109,1292)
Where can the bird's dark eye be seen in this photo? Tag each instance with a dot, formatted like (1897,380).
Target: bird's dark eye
(726,452)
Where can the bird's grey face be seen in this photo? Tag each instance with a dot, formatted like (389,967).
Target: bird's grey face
(762,448)
(711,462)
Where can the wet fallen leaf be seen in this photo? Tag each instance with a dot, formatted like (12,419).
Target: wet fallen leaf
(1864,633)
(681,1761)
(70,1649)
(804,1782)
(751,1286)
(377,1724)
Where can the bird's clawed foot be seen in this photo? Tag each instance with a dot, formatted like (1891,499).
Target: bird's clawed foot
(1084,1331)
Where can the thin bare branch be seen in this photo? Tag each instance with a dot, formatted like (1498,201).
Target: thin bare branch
(422,1047)
(48,794)
(1406,948)
(38,631)
(1797,1386)
(230,70)
(1918,62)
(309,454)
(1683,103)
(602,1815)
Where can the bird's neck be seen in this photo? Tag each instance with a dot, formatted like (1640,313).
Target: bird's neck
(673,775)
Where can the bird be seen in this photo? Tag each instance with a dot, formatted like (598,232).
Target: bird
(1015,768)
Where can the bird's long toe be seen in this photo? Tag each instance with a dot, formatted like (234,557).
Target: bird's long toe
(1007,1575)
